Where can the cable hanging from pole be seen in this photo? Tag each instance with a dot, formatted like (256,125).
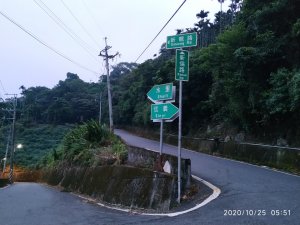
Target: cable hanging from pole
(85,46)
(78,21)
(45,44)
(160,31)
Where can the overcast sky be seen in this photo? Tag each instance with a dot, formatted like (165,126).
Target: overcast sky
(129,25)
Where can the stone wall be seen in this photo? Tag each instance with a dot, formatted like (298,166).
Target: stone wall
(119,185)
(163,163)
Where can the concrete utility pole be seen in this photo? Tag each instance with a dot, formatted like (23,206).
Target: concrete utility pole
(12,137)
(104,53)
(6,151)
(100,108)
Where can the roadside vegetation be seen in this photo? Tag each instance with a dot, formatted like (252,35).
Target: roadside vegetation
(244,78)
(36,142)
(89,144)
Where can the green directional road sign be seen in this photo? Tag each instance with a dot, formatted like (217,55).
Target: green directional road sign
(182,65)
(163,111)
(182,40)
(161,92)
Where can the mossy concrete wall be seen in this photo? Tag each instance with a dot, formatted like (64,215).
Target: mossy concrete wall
(140,157)
(121,185)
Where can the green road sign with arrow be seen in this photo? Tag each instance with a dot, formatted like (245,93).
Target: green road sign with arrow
(163,111)
(161,92)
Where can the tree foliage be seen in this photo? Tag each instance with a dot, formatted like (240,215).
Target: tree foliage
(244,72)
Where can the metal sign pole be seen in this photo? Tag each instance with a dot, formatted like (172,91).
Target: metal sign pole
(179,140)
(161,137)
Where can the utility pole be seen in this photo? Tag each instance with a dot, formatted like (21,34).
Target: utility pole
(12,136)
(6,151)
(104,53)
(221,12)
(12,151)
(100,108)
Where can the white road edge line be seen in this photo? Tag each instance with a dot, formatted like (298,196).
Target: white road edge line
(4,187)
(214,195)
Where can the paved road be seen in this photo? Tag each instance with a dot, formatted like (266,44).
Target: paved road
(36,204)
(250,189)
(244,187)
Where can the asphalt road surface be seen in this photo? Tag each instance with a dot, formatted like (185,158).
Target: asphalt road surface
(250,195)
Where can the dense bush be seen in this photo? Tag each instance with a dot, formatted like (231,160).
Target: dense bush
(86,145)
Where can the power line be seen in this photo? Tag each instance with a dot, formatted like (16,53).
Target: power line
(85,30)
(45,44)
(68,30)
(160,31)
(93,17)
(2,87)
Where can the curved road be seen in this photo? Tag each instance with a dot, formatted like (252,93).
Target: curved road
(246,190)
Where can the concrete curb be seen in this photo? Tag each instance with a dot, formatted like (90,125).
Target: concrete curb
(214,195)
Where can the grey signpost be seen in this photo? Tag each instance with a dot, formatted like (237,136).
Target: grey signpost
(162,111)
(181,74)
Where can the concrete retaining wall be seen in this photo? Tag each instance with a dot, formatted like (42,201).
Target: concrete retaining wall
(121,185)
(139,157)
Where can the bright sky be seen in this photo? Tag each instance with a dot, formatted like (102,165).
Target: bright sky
(129,25)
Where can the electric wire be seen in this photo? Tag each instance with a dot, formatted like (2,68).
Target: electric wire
(78,21)
(4,91)
(45,44)
(68,30)
(93,17)
(159,32)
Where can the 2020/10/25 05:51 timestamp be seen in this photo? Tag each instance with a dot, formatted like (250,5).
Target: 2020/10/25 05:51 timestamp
(257,212)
